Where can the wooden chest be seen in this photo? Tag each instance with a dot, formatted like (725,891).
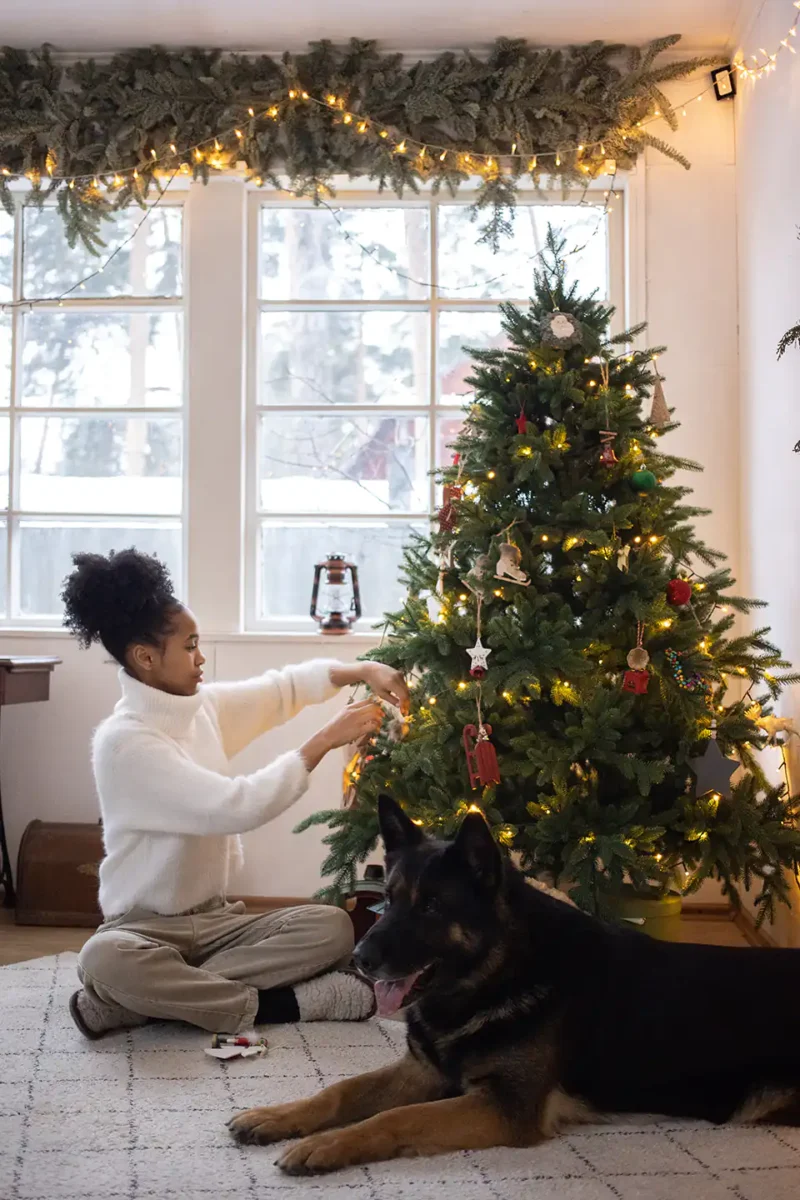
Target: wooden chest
(57,874)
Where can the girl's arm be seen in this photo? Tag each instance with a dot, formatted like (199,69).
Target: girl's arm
(247,709)
(149,785)
(250,707)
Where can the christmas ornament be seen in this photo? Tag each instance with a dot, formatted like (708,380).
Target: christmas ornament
(477,579)
(679,592)
(561,331)
(623,554)
(521,423)
(659,413)
(434,605)
(687,683)
(508,565)
(644,481)
(713,769)
(478,655)
(771,724)
(636,680)
(607,455)
(481,756)
(447,515)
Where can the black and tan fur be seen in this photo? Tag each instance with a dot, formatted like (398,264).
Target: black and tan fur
(532,1015)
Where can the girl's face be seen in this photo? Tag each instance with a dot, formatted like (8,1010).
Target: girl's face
(176,665)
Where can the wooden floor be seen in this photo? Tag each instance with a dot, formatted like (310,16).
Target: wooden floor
(20,942)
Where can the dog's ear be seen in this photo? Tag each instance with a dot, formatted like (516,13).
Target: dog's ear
(397,830)
(475,847)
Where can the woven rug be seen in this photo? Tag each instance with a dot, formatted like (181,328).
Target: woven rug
(142,1115)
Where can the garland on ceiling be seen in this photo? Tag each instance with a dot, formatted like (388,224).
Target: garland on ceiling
(103,135)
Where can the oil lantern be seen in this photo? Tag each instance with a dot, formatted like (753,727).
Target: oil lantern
(337,604)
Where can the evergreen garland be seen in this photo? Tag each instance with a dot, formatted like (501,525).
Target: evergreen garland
(65,126)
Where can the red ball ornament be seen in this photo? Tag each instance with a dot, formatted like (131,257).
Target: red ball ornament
(679,592)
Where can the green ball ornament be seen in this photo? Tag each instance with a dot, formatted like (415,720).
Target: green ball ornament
(644,481)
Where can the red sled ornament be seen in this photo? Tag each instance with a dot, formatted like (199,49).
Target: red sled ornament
(447,513)
(636,682)
(481,756)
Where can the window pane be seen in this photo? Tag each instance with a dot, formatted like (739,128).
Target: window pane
(46,549)
(6,255)
(344,464)
(96,465)
(469,270)
(288,553)
(344,358)
(3,563)
(4,456)
(447,430)
(102,359)
(5,361)
(481,330)
(317,254)
(149,265)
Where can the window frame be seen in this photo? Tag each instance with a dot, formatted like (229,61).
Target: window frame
(355,196)
(15,515)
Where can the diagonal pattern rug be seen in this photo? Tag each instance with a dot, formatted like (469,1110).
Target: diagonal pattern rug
(141,1116)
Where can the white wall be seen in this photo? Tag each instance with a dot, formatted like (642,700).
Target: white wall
(686,280)
(768,203)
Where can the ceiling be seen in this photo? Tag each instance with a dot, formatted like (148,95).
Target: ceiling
(101,25)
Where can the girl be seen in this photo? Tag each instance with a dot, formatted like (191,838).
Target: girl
(171,946)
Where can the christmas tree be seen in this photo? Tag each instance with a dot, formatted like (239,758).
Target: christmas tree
(570,640)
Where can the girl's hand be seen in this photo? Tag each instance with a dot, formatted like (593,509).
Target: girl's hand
(387,683)
(357,723)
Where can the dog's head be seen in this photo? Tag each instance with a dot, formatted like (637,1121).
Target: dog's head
(442,913)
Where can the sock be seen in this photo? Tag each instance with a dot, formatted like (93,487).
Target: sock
(277,1006)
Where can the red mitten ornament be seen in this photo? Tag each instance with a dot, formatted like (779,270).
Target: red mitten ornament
(447,513)
(679,592)
(481,756)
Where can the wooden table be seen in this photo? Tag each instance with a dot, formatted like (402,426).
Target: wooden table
(23,678)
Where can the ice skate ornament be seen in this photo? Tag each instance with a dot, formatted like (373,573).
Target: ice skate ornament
(623,554)
(508,565)
(560,331)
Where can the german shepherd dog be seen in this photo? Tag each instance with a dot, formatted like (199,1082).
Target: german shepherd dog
(526,1014)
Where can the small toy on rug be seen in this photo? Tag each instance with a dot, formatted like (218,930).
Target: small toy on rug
(238,1045)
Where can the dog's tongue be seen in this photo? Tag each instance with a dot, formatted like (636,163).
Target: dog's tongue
(390,993)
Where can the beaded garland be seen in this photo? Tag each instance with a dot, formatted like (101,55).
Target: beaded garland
(691,683)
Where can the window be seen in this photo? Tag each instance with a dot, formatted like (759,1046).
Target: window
(250,384)
(91,396)
(358,375)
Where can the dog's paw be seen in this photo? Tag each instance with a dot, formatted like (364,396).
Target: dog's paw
(319,1153)
(260,1126)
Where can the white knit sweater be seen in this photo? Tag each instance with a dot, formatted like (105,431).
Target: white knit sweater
(171,811)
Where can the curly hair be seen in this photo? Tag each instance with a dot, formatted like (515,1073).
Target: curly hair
(119,599)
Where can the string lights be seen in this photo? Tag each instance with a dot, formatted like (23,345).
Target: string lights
(765,62)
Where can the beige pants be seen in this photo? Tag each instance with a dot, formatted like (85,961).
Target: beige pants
(206,966)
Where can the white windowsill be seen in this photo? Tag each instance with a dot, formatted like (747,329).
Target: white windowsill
(299,636)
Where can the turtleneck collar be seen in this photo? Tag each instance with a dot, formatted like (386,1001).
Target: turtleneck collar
(171,714)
